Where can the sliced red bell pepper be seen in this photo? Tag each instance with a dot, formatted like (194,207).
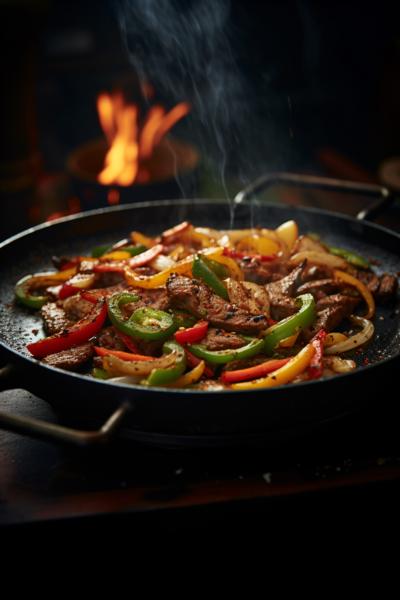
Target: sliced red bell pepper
(253,372)
(193,361)
(69,264)
(315,368)
(77,334)
(67,290)
(145,257)
(120,354)
(260,257)
(127,340)
(92,296)
(192,334)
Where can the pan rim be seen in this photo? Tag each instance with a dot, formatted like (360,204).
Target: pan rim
(182,201)
(177,202)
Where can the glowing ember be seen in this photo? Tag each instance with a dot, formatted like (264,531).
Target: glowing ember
(131,143)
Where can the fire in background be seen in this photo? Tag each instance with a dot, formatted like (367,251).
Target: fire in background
(132,137)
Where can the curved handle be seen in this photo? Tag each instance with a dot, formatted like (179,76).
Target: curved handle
(51,431)
(385,196)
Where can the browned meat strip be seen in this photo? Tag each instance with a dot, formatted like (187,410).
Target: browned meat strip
(248,296)
(218,339)
(54,318)
(76,307)
(313,272)
(321,287)
(369,279)
(264,272)
(331,311)
(195,297)
(280,292)
(105,280)
(387,288)
(108,338)
(70,359)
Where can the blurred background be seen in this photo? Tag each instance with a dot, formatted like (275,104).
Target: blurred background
(106,102)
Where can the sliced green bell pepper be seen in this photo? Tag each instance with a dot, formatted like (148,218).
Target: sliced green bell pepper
(100,250)
(133,250)
(23,295)
(99,373)
(144,323)
(220,270)
(221,357)
(169,374)
(201,270)
(291,325)
(151,325)
(352,257)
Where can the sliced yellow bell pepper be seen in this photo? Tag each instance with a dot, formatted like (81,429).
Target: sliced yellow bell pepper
(231,265)
(116,255)
(289,341)
(190,377)
(258,243)
(361,288)
(287,373)
(184,267)
(139,238)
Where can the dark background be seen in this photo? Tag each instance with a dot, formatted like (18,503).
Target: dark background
(321,79)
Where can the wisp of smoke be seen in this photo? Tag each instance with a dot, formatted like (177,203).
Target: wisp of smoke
(183,47)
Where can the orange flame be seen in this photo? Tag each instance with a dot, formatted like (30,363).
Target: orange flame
(129,144)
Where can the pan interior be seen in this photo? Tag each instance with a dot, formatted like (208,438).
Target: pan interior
(32,252)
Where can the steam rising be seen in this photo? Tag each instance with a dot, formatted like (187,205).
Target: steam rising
(184,48)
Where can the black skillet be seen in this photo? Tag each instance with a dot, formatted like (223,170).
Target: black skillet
(186,417)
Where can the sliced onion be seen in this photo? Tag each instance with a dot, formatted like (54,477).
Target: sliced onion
(116,366)
(319,258)
(339,365)
(356,340)
(162,262)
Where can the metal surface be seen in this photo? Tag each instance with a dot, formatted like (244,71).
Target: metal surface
(176,415)
(385,196)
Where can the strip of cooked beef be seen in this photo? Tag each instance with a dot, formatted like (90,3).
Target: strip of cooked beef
(70,359)
(218,339)
(264,272)
(157,299)
(315,272)
(76,307)
(388,286)
(371,280)
(321,287)
(196,298)
(280,294)
(108,279)
(54,318)
(109,338)
(248,296)
(383,288)
(331,311)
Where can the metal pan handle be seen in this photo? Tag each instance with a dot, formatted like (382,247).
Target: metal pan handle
(50,431)
(385,196)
